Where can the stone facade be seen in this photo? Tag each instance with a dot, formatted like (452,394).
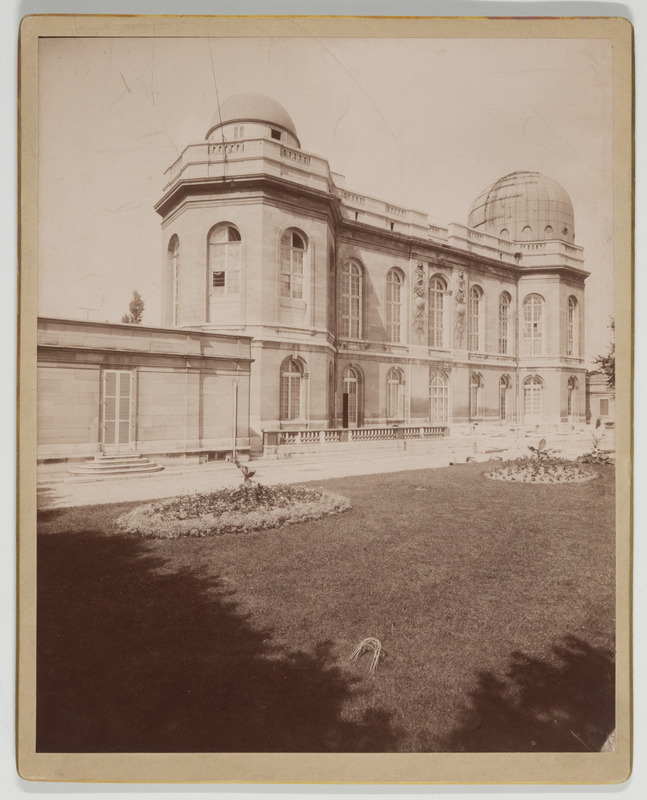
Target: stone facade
(120,389)
(362,312)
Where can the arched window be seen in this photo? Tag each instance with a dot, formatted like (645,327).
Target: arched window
(394,281)
(476,296)
(533,398)
(571,397)
(351,396)
(174,263)
(351,301)
(291,404)
(395,397)
(293,249)
(437,288)
(533,325)
(224,260)
(439,399)
(476,395)
(504,316)
(571,337)
(504,396)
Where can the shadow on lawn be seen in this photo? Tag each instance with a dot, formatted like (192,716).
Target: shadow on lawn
(562,705)
(133,658)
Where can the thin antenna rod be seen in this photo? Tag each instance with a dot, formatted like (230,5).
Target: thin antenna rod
(215,83)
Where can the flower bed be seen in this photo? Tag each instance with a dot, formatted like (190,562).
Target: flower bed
(547,469)
(241,510)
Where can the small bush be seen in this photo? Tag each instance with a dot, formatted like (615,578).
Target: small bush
(241,510)
(547,469)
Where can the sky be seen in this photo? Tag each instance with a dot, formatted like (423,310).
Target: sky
(422,123)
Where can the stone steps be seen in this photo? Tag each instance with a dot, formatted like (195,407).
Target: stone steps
(116,466)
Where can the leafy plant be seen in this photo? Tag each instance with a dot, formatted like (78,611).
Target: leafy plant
(541,451)
(542,469)
(136,309)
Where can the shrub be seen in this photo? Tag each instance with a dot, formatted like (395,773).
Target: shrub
(241,510)
(547,469)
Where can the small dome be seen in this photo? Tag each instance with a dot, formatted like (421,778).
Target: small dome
(253,108)
(522,207)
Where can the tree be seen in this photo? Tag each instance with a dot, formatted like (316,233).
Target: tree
(136,308)
(607,363)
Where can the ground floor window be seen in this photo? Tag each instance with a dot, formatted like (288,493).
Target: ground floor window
(571,396)
(504,398)
(291,390)
(533,397)
(604,406)
(439,399)
(351,397)
(395,388)
(476,395)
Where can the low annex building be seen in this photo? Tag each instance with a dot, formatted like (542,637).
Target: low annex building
(294,304)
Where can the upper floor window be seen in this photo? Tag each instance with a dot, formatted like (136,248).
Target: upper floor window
(533,325)
(293,249)
(571,338)
(394,281)
(174,263)
(351,300)
(437,290)
(395,397)
(224,260)
(504,315)
(475,301)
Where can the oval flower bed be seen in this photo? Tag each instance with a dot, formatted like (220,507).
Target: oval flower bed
(241,510)
(530,469)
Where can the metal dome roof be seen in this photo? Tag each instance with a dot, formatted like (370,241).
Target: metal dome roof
(252,107)
(524,206)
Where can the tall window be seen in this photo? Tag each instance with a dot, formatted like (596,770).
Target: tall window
(571,345)
(504,316)
(291,390)
(437,289)
(395,387)
(351,300)
(533,390)
(504,395)
(174,262)
(533,325)
(293,250)
(476,395)
(439,399)
(571,396)
(224,260)
(476,297)
(351,388)
(393,305)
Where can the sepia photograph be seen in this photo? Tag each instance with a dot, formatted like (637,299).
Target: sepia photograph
(323,337)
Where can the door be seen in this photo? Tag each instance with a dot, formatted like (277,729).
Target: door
(117,394)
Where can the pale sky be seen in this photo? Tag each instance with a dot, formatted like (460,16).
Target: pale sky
(422,123)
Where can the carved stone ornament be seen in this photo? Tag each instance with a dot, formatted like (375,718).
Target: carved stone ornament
(420,300)
(459,324)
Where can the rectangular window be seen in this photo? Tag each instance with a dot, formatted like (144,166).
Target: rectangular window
(276,134)
(219,282)
(604,407)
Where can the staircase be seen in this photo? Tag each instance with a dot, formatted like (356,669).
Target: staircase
(116,467)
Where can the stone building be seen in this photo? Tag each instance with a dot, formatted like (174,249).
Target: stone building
(361,313)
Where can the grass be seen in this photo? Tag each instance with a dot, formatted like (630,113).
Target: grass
(494,602)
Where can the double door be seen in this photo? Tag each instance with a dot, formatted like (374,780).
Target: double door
(118,413)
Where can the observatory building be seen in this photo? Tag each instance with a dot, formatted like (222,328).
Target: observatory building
(297,312)
(362,313)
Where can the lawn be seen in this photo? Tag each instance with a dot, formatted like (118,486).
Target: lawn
(494,603)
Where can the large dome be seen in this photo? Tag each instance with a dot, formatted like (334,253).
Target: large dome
(522,207)
(253,107)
